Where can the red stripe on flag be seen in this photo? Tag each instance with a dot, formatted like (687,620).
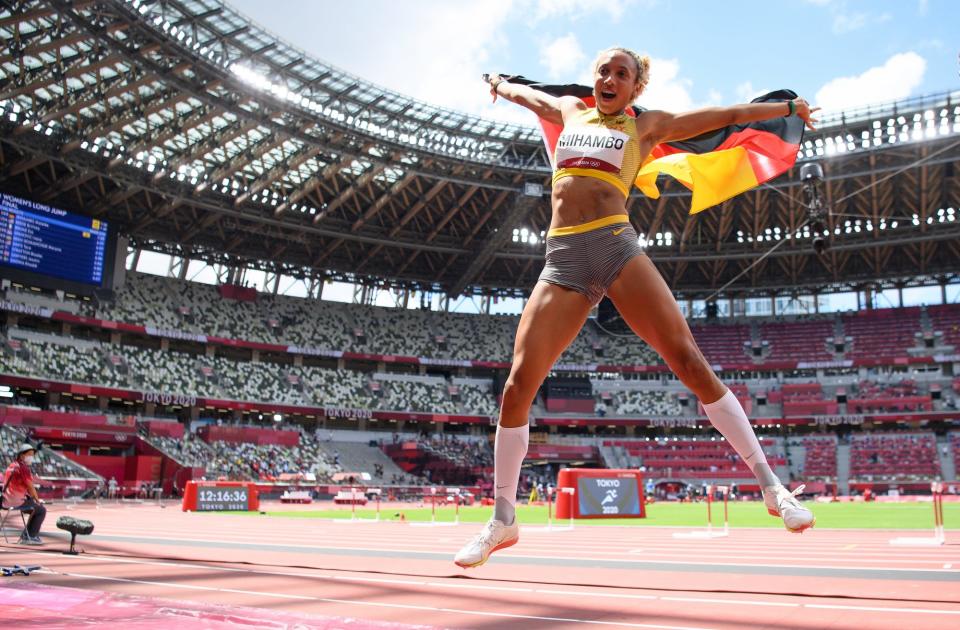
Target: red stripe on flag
(769,154)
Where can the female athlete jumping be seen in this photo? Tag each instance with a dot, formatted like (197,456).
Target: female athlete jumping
(592,251)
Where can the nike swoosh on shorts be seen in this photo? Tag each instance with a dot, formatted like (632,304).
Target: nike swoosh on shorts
(617,232)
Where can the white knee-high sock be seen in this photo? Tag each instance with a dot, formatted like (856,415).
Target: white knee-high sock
(728,417)
(509,449)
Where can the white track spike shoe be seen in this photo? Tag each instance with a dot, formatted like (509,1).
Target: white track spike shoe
(493,537)
(783,503)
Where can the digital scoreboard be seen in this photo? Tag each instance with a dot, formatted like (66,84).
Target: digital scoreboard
(222,499)
(220,496)
(42,241)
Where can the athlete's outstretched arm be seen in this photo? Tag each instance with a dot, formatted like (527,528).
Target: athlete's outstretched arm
(667,127)
(544,105)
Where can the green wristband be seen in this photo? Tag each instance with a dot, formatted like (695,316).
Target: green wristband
(792,108)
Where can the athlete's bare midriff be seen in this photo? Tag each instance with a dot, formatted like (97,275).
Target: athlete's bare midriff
(578,199)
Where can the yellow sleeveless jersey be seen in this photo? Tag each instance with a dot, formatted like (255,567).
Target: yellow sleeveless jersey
(596,145)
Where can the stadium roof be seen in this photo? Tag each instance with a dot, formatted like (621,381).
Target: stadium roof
(201,135)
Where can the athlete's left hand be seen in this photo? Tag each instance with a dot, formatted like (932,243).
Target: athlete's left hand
(804,111)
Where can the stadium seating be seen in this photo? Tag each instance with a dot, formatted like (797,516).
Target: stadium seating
(417,396)
(820,459)
(445,459)
(186,451)
(797,340)
(695,459)
(342,388)
(801,399)
(245,461)
(476,398)
(873,398)
(894,457)
(194,308)
(168,303)
(221,378)
(197,308)
(48,464)
(881,333)
(358,457)
(646,403)
(723,342)
(945,318)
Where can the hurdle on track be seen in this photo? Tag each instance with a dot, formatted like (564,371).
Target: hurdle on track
(73,495)
(433,513)
(353,510)
(376,517)
(550,526)
(710,532)
(939,535)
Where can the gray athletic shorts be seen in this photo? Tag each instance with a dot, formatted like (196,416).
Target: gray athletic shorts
(588,258)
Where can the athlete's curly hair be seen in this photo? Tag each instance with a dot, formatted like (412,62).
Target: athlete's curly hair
(642,62)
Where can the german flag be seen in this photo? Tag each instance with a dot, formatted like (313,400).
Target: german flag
(715,166)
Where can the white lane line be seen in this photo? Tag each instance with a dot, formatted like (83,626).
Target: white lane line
(948,566)
(550,591)
(429,544)
(535,546)
(586,594)
(738,602)
(353,602)
(480,587)
(513,554)
(926,611)
(733,565)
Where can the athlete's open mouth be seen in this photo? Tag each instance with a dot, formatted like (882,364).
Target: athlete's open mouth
(607,95)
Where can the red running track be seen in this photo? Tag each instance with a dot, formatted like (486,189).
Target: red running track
(146,566)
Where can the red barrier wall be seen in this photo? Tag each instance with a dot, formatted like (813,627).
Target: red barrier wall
(236,292)
(250,435)
(85,436)
(801,388)
(142,468)
(574,405)
(561,451)
(104,465)
(36,417)
(164,428)
(810,407)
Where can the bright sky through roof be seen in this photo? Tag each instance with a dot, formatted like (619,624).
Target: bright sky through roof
(839,54)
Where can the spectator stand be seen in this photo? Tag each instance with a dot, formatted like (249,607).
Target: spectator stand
(888,459)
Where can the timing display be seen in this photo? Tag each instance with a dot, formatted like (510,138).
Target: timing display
(50,241)
(222,499)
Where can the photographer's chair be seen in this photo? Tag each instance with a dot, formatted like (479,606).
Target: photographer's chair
(6,513)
